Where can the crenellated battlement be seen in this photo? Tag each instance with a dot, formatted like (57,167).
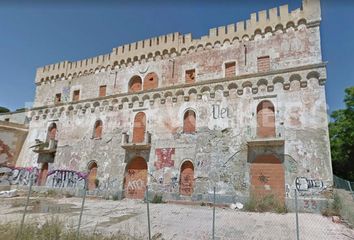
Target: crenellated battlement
(174,44)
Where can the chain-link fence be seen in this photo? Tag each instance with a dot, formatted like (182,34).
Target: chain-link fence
(298,216)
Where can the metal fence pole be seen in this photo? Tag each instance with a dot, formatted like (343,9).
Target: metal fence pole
(82,209)
(148,210)
(27,202)
(350,189)
(214,215)
(297,217)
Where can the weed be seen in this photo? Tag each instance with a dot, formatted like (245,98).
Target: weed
(53,229)
(157,199)
(267,203)
(115,196)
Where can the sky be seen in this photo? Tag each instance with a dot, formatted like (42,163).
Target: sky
(38,33)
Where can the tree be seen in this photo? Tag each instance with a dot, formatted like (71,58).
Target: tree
(4,110)
(341,131)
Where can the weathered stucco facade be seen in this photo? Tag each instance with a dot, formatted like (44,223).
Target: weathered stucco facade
(242,109)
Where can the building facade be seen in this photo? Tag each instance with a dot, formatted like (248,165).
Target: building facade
(242,109)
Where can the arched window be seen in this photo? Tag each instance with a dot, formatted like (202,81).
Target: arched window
(139,127)
(52,132)
(265,119)
(189,122)
(92,176)
(97,133)
(135,84)
(186,182)
(150,81)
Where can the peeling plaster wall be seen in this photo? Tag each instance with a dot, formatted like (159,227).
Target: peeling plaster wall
(289,49)
(12,137)
(226,117)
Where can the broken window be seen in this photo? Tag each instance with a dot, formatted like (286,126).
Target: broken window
(52,132)
(190,76)
(76,95)
(263,64)
(230,69)
(57,98)
(102,91)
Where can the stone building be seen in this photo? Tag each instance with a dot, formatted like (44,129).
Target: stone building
(242,109)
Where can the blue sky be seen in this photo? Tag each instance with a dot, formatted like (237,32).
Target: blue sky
(37,33)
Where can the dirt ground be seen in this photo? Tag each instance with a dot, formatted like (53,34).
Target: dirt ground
(172,221)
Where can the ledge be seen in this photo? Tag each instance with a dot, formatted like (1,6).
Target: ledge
(136,146)
(196,84)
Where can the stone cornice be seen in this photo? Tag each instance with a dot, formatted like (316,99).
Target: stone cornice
(301,74)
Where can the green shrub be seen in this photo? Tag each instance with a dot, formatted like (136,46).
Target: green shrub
(334,208)
(97,182)
(115,196)
(157,199)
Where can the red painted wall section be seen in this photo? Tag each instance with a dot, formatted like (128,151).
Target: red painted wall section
(164,156)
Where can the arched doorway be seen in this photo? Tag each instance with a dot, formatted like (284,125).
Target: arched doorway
(265,119)
(135,178)
(186,182)
(139,127)
(268,177)
(43,175)
(91,178)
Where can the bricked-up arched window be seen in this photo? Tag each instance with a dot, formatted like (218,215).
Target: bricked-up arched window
(189,122)
(139,127)
(265,119)
(91,178)
(135,84)
(150,81)
(97,133)
(52,132)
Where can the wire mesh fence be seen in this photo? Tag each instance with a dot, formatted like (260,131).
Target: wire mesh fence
(265,217)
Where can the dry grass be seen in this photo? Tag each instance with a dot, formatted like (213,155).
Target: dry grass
(52,229)
(268,203)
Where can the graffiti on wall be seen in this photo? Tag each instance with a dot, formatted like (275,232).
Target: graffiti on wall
(307,186)
(66,94)
(310,204)
(220,112)
(5,153)
(18,176)
(55,178)
(108,184)
(164,156)
(65,179)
